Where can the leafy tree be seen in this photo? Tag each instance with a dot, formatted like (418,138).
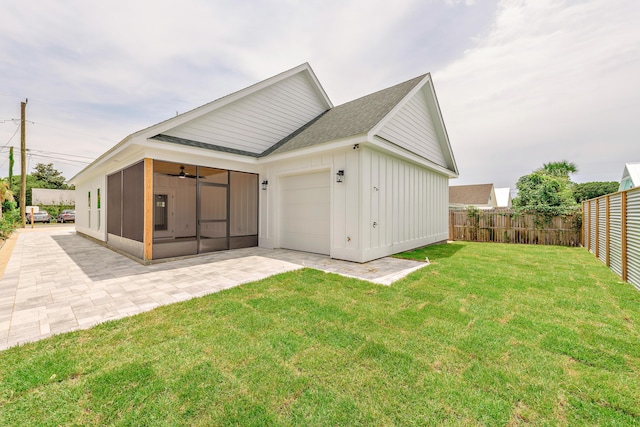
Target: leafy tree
(49,176)
(547,192)
(6,195)
(591,190)
(539,193)
(44,176)
(560,169)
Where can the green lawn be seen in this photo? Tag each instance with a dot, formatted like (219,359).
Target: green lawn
(488,334)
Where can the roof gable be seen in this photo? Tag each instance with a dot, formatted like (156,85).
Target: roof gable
(352,118)
(255,122)
(291,111)
(416,125)
(503,197)
(630,176)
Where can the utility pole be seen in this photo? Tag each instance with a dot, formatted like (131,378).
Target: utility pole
(23,162)
(10,167)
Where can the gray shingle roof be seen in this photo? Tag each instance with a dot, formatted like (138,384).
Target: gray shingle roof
(350,119)
(477,194)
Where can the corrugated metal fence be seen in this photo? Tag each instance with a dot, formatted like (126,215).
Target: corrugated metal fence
(504,226)
(611,231)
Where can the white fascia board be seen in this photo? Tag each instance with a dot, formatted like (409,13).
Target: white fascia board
(315,149)
(386,119)
(112,152)
(319,89)
(443,127)
(402,153)
(185,150)
(163,126)
(228,99)
(426,84)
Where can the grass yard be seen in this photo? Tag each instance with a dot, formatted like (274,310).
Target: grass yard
(488,334)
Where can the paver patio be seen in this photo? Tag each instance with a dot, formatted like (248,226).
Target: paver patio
(56,281)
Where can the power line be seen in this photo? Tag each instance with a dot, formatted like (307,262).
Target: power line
(62,154)
(12,136)
(56,153)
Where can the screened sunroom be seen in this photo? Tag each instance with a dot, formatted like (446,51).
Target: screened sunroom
(184,209)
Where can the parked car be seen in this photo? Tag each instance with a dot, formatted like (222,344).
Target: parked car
(42,216)
(66,216)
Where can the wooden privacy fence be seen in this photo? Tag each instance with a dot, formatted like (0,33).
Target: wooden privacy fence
(504,226)
(611,231)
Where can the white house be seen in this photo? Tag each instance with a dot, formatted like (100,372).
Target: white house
(503,197)
(630,176)
(276,165)
(482,196)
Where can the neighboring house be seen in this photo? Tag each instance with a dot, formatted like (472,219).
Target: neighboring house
(630,176)
(276,165)
(503,197)
(481,196)
(47,196)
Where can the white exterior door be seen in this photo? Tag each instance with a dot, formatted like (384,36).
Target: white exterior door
(305,212)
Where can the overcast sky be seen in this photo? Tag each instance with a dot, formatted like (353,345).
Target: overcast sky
(519,82)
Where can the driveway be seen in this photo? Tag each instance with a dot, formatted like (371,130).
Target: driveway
(56,281)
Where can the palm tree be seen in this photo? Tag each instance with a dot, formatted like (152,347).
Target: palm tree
(560,169)
(5,194)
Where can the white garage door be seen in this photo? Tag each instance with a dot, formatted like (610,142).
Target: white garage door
(304,212)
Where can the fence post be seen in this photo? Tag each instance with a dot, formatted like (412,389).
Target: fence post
(623,223)
(451,225)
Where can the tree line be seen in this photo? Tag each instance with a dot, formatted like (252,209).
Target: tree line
(549,191)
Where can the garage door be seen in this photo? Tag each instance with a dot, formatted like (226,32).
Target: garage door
(304,212)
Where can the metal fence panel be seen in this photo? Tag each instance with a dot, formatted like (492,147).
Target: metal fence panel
(615,233)
(592,226)
(633,237)
(602,230)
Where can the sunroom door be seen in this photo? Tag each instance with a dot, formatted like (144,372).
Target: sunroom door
(213,218)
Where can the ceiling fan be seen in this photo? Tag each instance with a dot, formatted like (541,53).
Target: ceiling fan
(182,174)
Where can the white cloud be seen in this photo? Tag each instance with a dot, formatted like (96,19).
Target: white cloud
(551,80)
(527,83)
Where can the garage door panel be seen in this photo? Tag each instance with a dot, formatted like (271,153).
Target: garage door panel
(305,212)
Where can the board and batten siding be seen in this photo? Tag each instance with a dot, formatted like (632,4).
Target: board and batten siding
(404,206)
(91,220)
(412,128)
(254,123)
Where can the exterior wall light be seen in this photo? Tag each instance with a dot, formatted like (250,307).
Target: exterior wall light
(340,175)
(264,184)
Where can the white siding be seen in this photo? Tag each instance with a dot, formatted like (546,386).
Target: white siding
(256,122)
(412,128)
(344,221)
(91,220)
(408,203)
(404,206)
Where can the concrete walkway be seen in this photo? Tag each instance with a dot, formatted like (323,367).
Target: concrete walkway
(56,281)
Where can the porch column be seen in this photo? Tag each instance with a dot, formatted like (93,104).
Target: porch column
(148,209)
